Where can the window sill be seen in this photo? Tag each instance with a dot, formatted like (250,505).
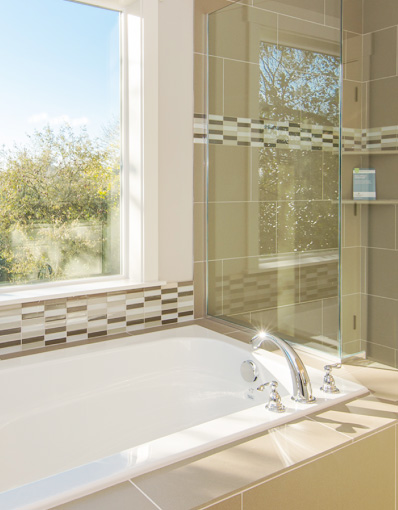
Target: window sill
(11,297)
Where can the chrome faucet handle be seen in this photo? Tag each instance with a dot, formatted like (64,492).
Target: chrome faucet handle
(329,384)
(275,404)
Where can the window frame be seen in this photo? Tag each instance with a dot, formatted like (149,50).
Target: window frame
(139,120)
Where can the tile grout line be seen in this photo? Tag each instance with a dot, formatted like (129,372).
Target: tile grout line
(317,457)
(223,87)
(144,494)
(217,501)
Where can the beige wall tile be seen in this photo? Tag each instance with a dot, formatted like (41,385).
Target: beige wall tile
(201,8)
(333,13)
(298,33)
(380,353)
(352,104)
(199,278)
(234,32)
(364,317)
(303,321)
(310,10)
(351,270)
(199,226)
(235,229)
(352,348)
(199,172)
(227,225)
(382,321)
(351,234)
(214,288)
(380,59)
(240,319)
(119,497)
(386,175)
(241,89)
(229,173)
(380,14)
(364,271)
(383,107)
(351,319)
(361,475)
(365,104)
(352,61)
(199,83)
(330,320)
(380,227)
(382,273)
(352,15)
(181,488)
(233,503)
(266,320)
(216,86)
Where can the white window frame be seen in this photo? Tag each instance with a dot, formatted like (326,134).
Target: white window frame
(139,203)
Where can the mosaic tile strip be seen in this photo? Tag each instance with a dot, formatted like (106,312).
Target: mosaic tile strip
(66,320)
(235,131)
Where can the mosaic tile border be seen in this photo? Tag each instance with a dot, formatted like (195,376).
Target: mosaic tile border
(290,135)
(55,321)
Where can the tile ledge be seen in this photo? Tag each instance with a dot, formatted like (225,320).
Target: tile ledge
(11,297)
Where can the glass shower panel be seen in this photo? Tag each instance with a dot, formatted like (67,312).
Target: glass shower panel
(273,169)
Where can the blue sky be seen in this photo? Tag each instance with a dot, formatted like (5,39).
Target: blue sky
(59,61)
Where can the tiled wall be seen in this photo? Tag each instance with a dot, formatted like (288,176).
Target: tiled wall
(42,324)
(370,256)
(255,273)
(369,123)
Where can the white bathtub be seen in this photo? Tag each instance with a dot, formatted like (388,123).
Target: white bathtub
(77,420)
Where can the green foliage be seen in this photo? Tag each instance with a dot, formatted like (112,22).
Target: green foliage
(56,197)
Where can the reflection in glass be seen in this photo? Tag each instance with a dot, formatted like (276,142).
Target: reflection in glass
(281,268)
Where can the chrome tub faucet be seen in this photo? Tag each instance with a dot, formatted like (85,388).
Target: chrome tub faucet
(302,391)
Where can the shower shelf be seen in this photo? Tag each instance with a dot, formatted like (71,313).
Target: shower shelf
(371,202)
(368,152)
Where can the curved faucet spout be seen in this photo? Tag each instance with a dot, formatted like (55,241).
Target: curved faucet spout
(302,391)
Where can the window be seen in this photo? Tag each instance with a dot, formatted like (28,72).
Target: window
(60,141)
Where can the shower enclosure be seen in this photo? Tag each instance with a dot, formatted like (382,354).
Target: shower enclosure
(300,94)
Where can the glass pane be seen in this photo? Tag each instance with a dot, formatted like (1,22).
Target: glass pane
(60,140)
(273,152)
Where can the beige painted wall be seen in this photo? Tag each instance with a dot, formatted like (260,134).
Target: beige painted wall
(175,140)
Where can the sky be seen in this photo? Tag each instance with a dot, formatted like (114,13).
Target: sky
(59,61)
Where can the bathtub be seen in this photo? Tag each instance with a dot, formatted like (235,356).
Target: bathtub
(78,420)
